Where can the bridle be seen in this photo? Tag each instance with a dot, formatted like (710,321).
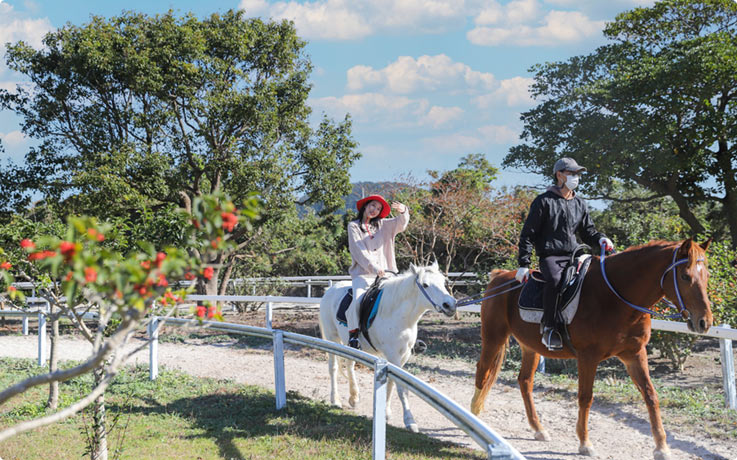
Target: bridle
(672,267)
(424,292)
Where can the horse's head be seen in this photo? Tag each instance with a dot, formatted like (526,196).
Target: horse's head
(691,279)
(431,283)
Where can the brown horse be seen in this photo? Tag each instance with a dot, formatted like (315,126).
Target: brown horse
(603,327)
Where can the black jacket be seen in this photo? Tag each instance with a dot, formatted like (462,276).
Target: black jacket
(551,227)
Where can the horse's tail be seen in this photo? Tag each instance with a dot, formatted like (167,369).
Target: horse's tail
(487,376)
(494,336)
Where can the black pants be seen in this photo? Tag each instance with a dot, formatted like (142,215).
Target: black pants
(552,269)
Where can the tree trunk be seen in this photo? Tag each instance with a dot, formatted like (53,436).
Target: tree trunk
(671,188)
(98,449)
(53,401)
(727,175)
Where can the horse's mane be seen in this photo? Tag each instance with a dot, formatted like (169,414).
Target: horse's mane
(694,251)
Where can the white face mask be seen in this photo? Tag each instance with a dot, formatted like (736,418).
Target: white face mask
(572,181)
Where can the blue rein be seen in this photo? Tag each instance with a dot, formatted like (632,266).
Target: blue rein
(668,303)
(472,299)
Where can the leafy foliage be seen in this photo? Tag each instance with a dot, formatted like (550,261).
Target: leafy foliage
(655,107)
(137,115)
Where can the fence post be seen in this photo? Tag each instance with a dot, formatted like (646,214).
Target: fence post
(153,348)
(279,380)
(268,315)
(380,381)
(541,365)
(725,346)
(41,338)
(25,324)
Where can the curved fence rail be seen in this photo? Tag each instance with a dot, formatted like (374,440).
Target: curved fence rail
(495,446)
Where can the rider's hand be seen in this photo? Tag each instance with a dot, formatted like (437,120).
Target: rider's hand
(522,274)
(606,243)
(381,273)
(399,207)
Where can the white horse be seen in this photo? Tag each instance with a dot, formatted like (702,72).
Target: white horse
(393,332)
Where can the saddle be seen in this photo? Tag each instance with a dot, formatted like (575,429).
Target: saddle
(368,307)
(569,291)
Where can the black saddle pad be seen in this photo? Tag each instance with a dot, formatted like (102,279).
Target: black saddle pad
(531,297)
(368,299)
(344,304)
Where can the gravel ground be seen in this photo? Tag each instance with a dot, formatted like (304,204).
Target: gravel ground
(617,431)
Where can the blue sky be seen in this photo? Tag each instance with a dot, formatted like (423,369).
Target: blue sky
(425,81)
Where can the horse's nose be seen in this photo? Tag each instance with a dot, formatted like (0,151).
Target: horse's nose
(703,326)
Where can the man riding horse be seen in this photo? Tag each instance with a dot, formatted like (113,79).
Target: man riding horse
(551,226)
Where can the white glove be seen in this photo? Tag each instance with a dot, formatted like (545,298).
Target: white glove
(522,274)
(607,243)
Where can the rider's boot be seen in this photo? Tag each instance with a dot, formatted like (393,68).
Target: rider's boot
(353,339)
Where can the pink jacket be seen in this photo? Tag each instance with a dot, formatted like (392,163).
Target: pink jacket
(374,252)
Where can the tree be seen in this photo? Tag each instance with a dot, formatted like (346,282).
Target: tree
(140,112)
(657,108)
(80,273)
(459,219)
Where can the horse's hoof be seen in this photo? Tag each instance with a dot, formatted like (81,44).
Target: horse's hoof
(353,401)
(587,450)
(413,428)
(542,436)
(662,454)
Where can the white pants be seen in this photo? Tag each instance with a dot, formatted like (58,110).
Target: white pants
(360,284)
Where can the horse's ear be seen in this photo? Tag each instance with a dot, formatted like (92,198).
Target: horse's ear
(705,244)
(413,268)
(685,247)
(435,267)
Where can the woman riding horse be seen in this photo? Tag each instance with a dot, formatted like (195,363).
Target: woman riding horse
(554,218)
(371,243)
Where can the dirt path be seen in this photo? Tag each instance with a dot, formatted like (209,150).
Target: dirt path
(618,431)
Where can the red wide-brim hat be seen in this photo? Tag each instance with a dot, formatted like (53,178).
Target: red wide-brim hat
(385,209)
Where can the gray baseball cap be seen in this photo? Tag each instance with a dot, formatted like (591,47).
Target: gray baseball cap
(567,164)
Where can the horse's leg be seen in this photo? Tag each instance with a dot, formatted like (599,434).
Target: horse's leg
(402,392)
(352,385)
(638,371)
(333,364)
(493,349)
(586,373)
(526,379)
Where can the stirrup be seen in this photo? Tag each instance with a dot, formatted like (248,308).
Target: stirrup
(353,339)
(552,339)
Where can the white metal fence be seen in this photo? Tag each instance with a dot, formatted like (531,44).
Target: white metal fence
(495,446)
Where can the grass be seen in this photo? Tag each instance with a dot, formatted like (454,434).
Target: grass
(179,416)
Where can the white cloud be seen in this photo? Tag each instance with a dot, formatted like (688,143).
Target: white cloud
(499,134)
(374,107)
(355,19)
(556,28)
(512,92)
(378,109)
(457,142)
(14,27)
(13,138)
(426,73)
(477,139)
(439,116)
